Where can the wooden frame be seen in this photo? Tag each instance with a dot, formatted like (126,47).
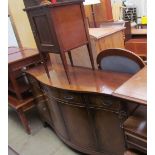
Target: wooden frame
(120,52)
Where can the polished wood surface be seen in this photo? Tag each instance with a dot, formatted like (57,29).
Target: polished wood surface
(73,26)
(16,54)
(82,79)
(98,33)
(135,89)
(85,103)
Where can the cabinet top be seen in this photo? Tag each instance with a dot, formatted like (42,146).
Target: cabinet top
(17,54)
(81,79)
(135,89)
(98,33)
(50,5)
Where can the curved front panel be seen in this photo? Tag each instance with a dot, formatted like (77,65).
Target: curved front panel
(78,126)
(88,122)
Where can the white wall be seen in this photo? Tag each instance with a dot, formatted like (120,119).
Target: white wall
(21,23)
(140,4)
(11,35)
(141,7)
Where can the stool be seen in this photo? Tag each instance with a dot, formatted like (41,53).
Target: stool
(135,130)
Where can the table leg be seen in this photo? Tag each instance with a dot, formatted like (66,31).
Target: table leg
(24,121)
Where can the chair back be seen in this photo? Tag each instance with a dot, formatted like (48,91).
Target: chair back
(119,60)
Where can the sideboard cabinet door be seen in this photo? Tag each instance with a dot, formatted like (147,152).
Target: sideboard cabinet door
(58,119)
(109,132)
(78,125)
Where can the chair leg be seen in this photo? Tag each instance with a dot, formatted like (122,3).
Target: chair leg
(24,121)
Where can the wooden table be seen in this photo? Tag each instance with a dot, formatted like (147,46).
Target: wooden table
(18,59)
(106,37)
(135,89)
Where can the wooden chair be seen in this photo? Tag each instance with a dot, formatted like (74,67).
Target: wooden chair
(119,60)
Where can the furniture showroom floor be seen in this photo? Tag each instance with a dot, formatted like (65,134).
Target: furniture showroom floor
(42,141)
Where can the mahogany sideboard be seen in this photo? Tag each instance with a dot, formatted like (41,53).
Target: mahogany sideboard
(83,112)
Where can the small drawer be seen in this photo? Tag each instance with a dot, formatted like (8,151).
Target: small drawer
(63,95)
(71,97)
(107,102)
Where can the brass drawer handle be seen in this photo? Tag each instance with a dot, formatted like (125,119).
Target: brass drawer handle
(107,103)
(68,97)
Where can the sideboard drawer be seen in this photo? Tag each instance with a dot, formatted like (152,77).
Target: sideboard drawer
(71,97)
(103,101)
(63,95)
